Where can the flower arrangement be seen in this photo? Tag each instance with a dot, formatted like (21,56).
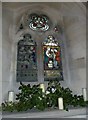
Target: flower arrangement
(31,97)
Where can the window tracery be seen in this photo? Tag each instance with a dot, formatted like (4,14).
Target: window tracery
(27,55)
(39,22)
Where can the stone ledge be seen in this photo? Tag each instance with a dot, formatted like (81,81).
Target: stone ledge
(77,113)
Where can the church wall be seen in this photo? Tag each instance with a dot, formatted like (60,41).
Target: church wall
(39,39)
(0,52)
(75,29)
(7,21)
(75,49)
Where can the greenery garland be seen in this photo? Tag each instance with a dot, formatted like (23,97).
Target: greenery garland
(31,97)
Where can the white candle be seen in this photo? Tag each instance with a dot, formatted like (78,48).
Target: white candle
(11,96)
(84,93)
(42,87)
(60,103)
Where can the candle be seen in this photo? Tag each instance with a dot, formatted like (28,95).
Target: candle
(11,96)
(60,103)
(84,93)
(42,87)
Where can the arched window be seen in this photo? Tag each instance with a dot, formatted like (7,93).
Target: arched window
(52,59)
(26,60)
(29,59)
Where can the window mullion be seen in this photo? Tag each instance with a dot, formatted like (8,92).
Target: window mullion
(40,62)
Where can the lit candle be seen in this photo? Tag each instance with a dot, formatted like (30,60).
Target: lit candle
(42,87)
(84,93)
(11,96)
(60,103)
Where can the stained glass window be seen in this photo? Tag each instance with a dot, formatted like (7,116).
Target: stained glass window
(52,59)
(39,22)
(26,60)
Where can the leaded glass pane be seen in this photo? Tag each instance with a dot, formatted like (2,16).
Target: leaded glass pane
(52,59)
(53,75)
(26,60)
(39,22)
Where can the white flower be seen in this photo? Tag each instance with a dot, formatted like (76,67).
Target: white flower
(53,90)
(40,98)
(47,92)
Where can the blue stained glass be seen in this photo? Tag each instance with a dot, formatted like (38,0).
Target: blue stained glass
(26,59)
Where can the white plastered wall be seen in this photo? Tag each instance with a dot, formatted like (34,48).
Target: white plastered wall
(76,39)
(0,52)
(75,31)
(7,21)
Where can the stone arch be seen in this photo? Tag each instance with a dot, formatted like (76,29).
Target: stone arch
(56,15)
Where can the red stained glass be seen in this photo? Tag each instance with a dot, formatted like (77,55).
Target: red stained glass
(52,58)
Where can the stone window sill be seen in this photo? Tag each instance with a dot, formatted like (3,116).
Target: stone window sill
(72,113)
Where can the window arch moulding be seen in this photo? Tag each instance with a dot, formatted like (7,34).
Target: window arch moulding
(24,27)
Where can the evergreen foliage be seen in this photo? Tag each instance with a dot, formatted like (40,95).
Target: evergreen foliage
(31,97)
